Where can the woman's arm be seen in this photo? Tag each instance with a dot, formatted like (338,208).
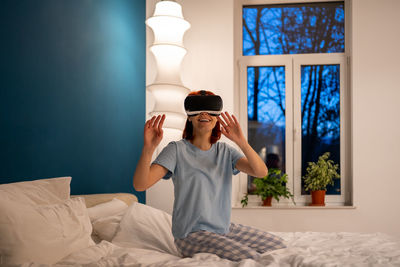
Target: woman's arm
(251,164)
(145,175)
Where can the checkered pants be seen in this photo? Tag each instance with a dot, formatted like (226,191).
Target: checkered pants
(241,242)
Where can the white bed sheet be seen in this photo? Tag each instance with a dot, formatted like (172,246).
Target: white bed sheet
(338,249)
(144,238)
(304,249)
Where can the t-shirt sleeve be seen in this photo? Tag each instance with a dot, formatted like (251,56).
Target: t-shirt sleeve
(167,159)
(235,156)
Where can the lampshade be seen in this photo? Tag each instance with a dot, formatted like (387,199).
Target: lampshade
(169,27)
(167,96)
(162,26)
(168,8)
(169,58)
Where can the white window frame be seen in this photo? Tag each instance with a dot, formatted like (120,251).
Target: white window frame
(293,63)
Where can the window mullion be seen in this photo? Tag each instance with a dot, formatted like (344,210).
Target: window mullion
(290,133)
(297,131)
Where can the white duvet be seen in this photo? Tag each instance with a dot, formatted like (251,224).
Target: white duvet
(304,249)
(144,238)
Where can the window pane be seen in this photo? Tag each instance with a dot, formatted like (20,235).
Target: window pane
(266,115)
(293,29)
(320,114)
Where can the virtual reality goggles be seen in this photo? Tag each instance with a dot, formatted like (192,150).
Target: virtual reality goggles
(196,104)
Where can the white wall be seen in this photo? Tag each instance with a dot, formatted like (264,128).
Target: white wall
(209,64)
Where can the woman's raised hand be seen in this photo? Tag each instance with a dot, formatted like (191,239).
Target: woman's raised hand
(153,132)
(230,127)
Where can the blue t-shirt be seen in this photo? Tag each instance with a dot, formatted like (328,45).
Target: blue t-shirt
(202,185)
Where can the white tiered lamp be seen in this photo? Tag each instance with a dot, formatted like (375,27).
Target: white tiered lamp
(168,26)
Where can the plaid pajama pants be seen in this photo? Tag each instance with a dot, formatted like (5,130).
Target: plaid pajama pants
(241,242)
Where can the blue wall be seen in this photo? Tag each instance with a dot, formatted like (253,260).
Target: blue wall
(72,92)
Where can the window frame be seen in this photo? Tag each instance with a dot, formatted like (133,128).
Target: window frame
(293,131)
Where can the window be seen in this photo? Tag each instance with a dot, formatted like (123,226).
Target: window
(293,92)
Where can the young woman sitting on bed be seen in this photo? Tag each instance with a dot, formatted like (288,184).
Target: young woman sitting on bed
(201,169)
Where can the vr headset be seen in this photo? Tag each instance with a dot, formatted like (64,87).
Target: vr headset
(196,104)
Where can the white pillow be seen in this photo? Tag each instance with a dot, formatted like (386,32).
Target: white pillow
(43,234)
(37,192)
(105,228)
(145,227)
(106,209)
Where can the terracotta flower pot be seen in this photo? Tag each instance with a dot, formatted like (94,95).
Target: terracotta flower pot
(267,201)
(318,198)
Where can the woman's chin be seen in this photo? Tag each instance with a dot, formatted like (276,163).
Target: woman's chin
(204,128)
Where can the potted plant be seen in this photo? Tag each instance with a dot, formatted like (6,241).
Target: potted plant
(271,186)
(318,176)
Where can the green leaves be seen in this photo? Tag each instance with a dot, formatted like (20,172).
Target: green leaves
(245,200)
(274,184)
(321,174)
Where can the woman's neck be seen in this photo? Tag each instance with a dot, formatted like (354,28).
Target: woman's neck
(202,141)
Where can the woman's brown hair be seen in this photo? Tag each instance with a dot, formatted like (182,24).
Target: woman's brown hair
(188,131)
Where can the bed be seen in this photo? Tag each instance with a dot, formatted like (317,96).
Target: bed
(41,224)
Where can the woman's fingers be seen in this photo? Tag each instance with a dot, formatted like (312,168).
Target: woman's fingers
(234,118)
(223,131)
(161,123)
(229,117)
(149,123)
(155,123)
(221,122)
(223,126)
(226,121)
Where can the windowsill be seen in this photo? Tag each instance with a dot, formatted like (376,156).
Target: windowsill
(297,207)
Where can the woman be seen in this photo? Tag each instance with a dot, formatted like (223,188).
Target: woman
(202,169)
